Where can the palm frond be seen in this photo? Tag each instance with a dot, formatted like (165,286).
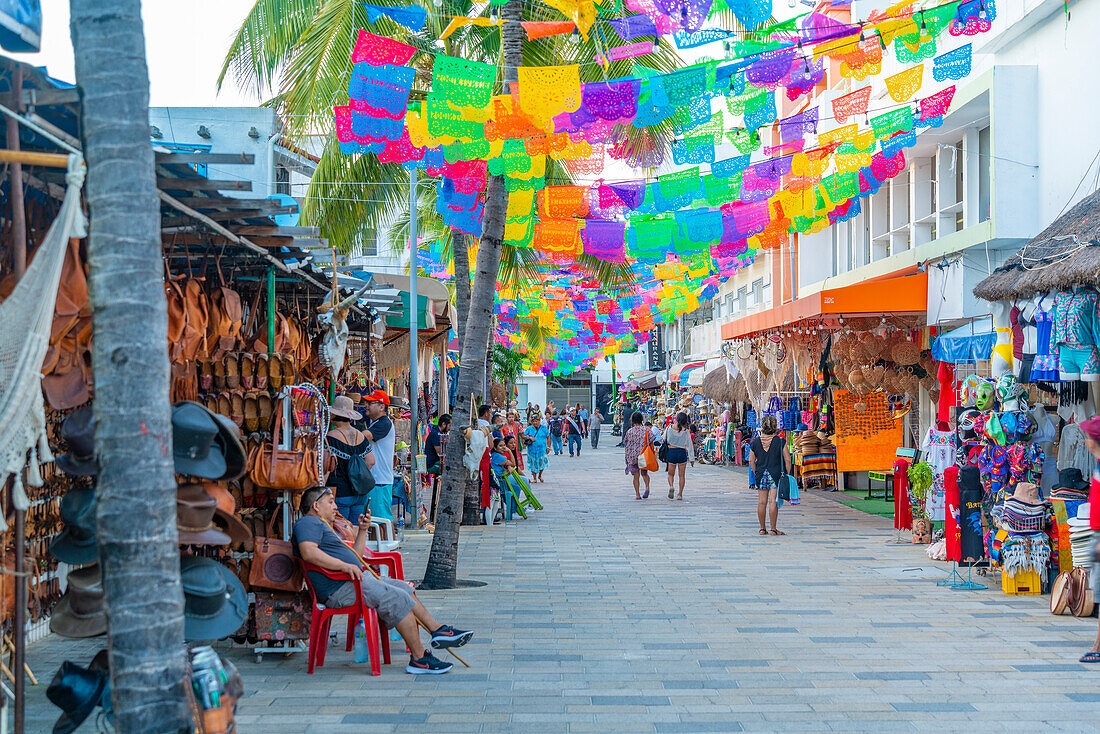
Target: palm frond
(266,40)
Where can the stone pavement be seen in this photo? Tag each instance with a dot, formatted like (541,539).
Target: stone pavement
(605,614)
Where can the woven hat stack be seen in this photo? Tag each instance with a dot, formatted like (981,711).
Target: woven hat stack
(1080,536)
(808,443)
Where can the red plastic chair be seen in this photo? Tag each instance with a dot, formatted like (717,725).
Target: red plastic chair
(378,638)
(389,559)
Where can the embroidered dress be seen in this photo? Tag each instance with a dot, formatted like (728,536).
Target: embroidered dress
(939,450)
(537,459)
(1076,325)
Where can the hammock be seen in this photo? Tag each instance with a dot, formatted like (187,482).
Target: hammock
(25,320)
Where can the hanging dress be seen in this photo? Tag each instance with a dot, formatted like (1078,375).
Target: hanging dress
(1045,366)
(939,452)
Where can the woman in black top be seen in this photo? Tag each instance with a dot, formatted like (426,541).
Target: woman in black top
(348,445)
(769,459)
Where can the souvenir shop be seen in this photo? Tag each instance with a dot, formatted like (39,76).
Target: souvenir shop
(255,338)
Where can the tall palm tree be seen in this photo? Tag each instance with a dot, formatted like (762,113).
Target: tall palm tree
(135,493)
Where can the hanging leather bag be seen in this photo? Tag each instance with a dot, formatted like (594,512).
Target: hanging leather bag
(1082,602)
(1061,594)
(294,468)
(273,563)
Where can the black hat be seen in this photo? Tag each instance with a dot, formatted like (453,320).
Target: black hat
(78,433)
(76,543)
(214,601)
(1071,478)
(229,441)
(194,430)
(76,691)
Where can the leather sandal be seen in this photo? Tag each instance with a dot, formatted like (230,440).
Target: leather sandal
(248,492)
(236,403)
(274,372)
(219,375)
(211,402)
(266,408)
(246,366)
(232,372)
(251,413)
(261,372)
(289,372)
(206,375)
(225,407)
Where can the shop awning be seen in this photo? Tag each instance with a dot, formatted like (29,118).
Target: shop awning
(900,295)
(695,379)
(680,372)
(968,343)
(651,382)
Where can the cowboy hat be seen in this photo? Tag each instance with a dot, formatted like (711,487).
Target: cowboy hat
(78,433)
(1071,478)
(225,514)
(214,601)
(229,442)
(343,407)
(80,611)
(195,517)
(194,431)
(76,691)
(76,543)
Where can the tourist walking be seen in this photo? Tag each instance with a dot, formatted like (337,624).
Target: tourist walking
(537,438)
(769,459)
(680,450)
(573,431)
(594,431)
(582,417)
(634,440)
(352,478)
(554,423)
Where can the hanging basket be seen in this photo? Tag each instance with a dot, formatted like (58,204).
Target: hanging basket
(905,352)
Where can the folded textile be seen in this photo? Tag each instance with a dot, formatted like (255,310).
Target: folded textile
(1025,552)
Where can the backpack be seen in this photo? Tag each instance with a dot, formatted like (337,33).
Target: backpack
(359,476)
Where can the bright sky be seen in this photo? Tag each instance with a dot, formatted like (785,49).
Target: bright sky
(185,47)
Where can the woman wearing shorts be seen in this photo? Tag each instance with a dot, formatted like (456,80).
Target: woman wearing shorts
(769,459)
(681,450)
(634,441)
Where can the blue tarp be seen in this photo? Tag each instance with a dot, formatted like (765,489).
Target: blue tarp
(968,343)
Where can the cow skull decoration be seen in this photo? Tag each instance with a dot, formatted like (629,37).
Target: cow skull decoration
(334,340)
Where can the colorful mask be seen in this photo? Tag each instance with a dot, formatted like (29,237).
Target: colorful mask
(986,396)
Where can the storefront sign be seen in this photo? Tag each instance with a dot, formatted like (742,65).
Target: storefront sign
(656,350)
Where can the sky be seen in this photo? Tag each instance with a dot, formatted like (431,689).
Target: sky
(185,47)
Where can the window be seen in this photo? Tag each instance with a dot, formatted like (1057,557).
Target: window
(731,304)
(758,291)
(282,180)
(742,298)
(369,245)
(983,174)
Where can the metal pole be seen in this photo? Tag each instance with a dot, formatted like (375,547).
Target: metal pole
(414,339)
(271,310)
(19,267)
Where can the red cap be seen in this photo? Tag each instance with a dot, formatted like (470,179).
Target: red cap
(378,396)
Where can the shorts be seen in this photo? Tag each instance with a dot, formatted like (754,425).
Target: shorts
(1078,363)
(676,455)
(765,483)
(391,598)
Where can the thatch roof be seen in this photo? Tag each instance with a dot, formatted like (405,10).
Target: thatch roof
(1064,255)
(719,386)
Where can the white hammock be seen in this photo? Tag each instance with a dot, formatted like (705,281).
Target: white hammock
(25,320)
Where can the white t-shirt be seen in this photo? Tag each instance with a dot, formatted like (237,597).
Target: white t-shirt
(383,442)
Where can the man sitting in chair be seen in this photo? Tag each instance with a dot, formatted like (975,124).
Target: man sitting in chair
(398,608)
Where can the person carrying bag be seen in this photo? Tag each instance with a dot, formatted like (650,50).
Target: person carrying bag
(771,464)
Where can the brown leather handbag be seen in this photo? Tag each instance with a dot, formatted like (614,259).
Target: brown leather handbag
(225,322)
(1061,594)
(177,319)
(273,563)
(271,466)
(198,317)
(1082,602)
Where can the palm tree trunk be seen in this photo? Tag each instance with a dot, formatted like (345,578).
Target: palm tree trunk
(442,568)
(462,282)
(136,512)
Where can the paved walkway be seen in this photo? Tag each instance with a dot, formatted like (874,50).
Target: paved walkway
(604,614)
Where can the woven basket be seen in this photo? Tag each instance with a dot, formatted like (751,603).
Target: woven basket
(905,352)
(872,377)
(928,382)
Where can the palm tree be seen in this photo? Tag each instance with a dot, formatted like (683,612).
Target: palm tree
(136,511)
(298,53)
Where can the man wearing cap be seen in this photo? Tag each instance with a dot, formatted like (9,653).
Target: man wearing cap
(397,607)
(380,433)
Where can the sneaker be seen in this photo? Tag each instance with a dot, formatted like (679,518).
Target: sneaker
(447,636)
(428,665)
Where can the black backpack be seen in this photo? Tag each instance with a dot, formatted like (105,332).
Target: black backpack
(359,476)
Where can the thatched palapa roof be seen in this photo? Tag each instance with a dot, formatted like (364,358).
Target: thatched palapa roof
(1064,255)
(719,386)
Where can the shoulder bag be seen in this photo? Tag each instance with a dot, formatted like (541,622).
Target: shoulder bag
(648,456)
(276,468)
(662,453)
(273,563)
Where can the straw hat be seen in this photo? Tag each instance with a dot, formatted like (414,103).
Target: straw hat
(344,407)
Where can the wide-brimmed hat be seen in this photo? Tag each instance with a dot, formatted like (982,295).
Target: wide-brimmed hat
(378,396)
(232,448)
(80,612)
(343,407)
(1071,478)
(78,433)
(76,543)
(195,517)
(214,601)
(194,430)
(1027,489)
(76,691)
(225,514)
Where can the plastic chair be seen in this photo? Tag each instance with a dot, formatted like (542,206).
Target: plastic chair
(378,640)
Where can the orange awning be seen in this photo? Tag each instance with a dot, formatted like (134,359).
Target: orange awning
(905,294)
